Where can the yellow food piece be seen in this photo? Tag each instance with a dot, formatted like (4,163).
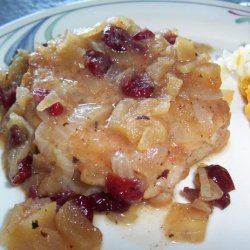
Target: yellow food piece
(130,118)
(237,64)
(185,49)
(27,226)
(228,95)
(156,133)
(185,223)
(36,225)
(247,110)
(76,228)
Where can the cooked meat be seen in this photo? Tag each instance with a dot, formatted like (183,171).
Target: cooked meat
(114,99)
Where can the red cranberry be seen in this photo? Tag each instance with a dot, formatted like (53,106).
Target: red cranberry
(141,85)
(139,46)
(83,202)
(143,35)
(191,193)
(33,192)
(85,206)
(220,176)
(8,96)
(127,189)
(103,202)
(164,174)
(24,171)
(223,202)
(16,136)
(63,197)
(56,109)
(100,202)
(97,62)
(39,94)
(116,38)
(170,37)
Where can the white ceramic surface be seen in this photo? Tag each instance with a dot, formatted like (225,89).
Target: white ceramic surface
(220,24)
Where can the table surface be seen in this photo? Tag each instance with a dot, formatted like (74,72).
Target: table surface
(14,9)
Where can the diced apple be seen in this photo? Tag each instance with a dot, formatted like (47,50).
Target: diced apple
(173,86)
(158,69)
(25,223)
(76,228)
(116,121)
(185,223)
(130,117)
(185,49)
(208,75)
(49,239)
(152,135)
(163,106)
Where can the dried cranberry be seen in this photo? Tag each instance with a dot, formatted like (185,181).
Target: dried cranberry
(85,206)
(56,109)
(33,192)
(83,202)
(191,193)
(164,174)
(223,202)
(24,171)
(170,37)
(16,136)
(127,189)
(103,202)
(97,62)
(39,94)
(8,96)
(63,197)
(116,38)
(139,46)
(220,176)
(143,35)
(141,85)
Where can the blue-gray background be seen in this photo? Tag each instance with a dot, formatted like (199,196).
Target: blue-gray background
(14,9)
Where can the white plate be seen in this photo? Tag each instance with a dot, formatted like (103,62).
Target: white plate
(224,26)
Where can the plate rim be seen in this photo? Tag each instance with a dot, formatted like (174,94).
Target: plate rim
(34,17)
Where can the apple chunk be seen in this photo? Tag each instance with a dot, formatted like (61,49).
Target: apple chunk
(185,223)
(76,228)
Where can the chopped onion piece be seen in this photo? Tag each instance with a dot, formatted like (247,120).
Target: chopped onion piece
(216,192)
(22,96)
(174,176)
(121,165)
(48,149)
(89,112)
(204,116)
(205,184)
(48,101)
(15,155)
(20,121)
(201,205)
